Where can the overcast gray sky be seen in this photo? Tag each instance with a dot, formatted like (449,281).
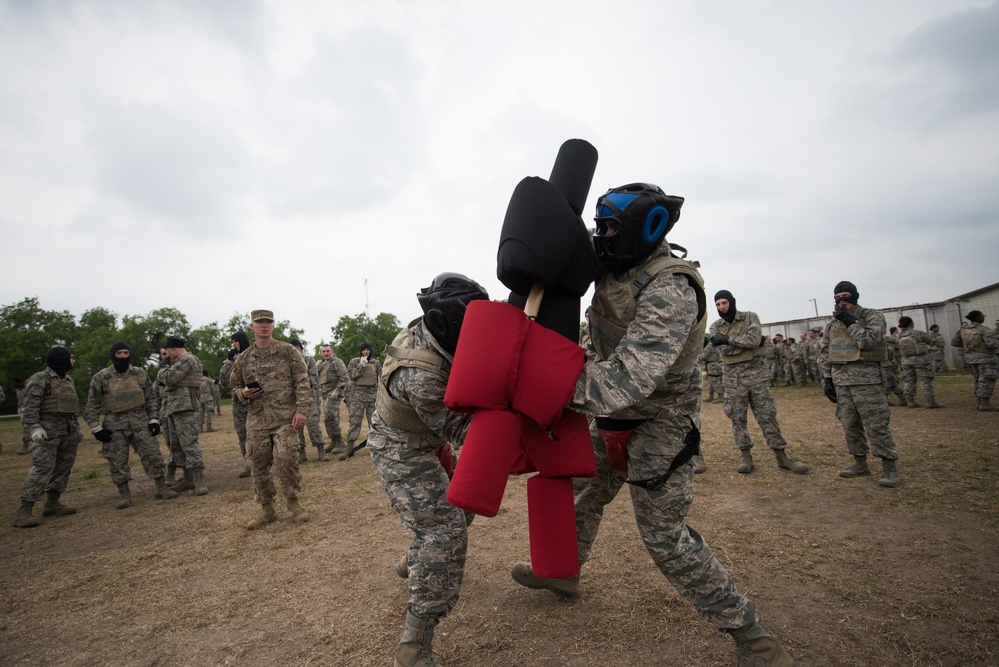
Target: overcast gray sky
(222,156)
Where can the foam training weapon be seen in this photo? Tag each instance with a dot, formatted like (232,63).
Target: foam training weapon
(515,370)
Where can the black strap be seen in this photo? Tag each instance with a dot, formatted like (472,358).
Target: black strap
(691,448)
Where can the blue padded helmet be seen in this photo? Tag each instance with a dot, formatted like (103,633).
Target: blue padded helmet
(644,215)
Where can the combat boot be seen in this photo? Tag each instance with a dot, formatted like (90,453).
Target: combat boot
(699,465)
(758,648)
(200,489)
(322,453)
(524,575)
(163,492)
(171,476)
(246,472)
(416,648)
(983,405)
(186,483)
(23,518)
(711,396)
(890,478)
(746,466)
(25,448)
(931,404)
(53,507)
(298,513)
(787,463)
(402,567)
(858,469)
(267,515)
(126,498)
(348,448)
(301,454)
(910,401)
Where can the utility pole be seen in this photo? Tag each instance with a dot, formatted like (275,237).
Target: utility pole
(367,310)
(816,304)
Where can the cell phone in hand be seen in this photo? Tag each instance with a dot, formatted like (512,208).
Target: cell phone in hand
(253,385)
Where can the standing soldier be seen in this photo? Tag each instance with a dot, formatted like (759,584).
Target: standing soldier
(332,382)
(25,436)
(131,419)
(914,347)
(853,349)
(313,417)
(937,350)
(207,403)
(50,416)
(813,354)
(737,335)
(712,363)
(240,343)
(217,397)
(363,373)
(272,378)
(980,345)
(802,361)
(770,360)
(159,393)
(181,389)
(778,373)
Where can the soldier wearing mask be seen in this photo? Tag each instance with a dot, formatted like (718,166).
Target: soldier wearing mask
(131,420)
(980,345)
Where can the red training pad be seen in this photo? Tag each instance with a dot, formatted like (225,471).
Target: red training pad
(547,372)
(551,516)
(484,372)
(569,456)
(491,446)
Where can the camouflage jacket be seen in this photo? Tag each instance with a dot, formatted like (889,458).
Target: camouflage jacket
(100,389)
(866,338)
(173,381)
(281,371)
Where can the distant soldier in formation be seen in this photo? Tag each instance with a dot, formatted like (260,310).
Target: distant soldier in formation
(159,394)
(240,343)
(813,343)
(980,345)
(332,383)
(25,436)
(131,421)
(798,359)
(50,414)
(770,360)
(778,372)
(217,397)
(181,389)
(207,403)
(363,373)
(710,360)
(937,350)
(313,417)
(889,376)
(914,347)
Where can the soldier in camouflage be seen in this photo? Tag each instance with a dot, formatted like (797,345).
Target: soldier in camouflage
(937,350)
(710,359)
(647,324)
(160,397)
(207,403)
(737,335)
(332,383)
(363,373)
(410,430)
(980,345)
(272,378)
(240,343)
(311,419)
(180,386)
(812,360)
(914,346)
(853,349)
(25,436)
(790,371)
(131,420)
(49,414)
(777,372)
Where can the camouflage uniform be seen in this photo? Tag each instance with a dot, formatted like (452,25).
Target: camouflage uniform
(979,344)
(779,355)
(239,409)
(129,426)
(217,397)
(332,382)
(312,417)
(745,381)
(271,439)
(414,479)
(181,391)
(770,362)
(937,353)
(52,459)
(710,359)
(159,394)
(914,346)
(207,404)
(861,403)
(363,384)
(651,376)
(798,363)
(26,443)
(812,358)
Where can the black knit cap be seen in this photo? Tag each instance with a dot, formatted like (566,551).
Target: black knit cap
(365,346)
(173,341)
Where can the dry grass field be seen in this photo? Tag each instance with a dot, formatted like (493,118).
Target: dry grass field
(844,572)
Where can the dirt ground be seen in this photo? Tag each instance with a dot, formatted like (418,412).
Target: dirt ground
(844,572)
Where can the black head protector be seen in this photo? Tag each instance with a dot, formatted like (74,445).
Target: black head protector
(444,303)
(644,214)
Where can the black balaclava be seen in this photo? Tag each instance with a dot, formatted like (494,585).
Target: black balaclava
(58,359)
(847,286)
(243,340)
(297,343)
(120,365)
(725,294)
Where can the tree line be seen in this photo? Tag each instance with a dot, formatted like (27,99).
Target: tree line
(27,331)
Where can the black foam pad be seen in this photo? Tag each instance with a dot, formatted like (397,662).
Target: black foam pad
(573,172)
(559,311)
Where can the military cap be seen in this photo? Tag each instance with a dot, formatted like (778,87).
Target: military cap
(258,315)
(173,341)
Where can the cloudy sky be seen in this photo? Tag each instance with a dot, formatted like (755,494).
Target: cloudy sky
(321,158)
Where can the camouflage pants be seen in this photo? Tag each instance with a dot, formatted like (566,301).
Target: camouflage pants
(52,460)
(679,552)
(207,415)
(239,412)
(312,425)
(800,372)
(715,382)
(738,400)
(985,379)
(924,374)
(357,409)
(130,431)
(331,418)
(813,370)
(185,450)
(416,485)
(890,381)
(789,373)
(864,408)
(276,449)
(937,359)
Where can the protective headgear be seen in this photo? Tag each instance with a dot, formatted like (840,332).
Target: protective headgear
(444,303)
(58,358)
(725,294)
(644,215)
(120,365)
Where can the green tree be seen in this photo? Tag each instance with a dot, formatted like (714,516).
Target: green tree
(27,331)
(147,333)
(210,344)
(350,332)
(96,333)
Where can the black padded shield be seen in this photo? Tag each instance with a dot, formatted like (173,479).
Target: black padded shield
(559,311)
(573,171)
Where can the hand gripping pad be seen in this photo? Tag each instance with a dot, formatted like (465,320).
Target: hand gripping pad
(491,447)
(551,516)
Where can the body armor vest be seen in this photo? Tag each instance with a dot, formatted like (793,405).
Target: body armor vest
(911,345)
(734,330)
(843,349)
(402,354)
(367,377)
(324,371)
(61,398)
(124,392)
(972,339)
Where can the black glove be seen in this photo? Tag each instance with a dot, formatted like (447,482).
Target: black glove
(828,389)
(844,316)
(232,354)
(719,339)
(154,428)
(104,435)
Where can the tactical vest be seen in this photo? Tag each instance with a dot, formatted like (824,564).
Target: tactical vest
(843,349)
(124,393)
(911,345)
(61,398)
(615,304)
(402,354)
(973,341)
(368,377)
(191,380)
(734,330)
(324,371)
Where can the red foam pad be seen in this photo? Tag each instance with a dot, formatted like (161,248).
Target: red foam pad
(491,446)
(485,361)
(547,372)
(569,456)
(552,517)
